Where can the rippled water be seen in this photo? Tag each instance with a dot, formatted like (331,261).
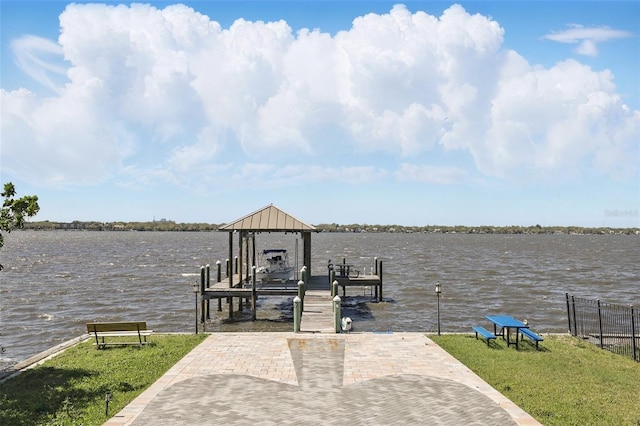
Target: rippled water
(56,282)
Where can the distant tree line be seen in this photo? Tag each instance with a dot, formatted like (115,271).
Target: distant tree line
(486,229)
(162,225)
(169,225)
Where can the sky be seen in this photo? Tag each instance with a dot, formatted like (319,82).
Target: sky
(372,112)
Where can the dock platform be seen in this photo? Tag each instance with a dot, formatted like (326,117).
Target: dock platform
(242,288)
(317,316)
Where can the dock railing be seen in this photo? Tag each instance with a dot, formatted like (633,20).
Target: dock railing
(615,328)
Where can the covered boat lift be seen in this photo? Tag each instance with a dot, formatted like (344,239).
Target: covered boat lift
(267,219)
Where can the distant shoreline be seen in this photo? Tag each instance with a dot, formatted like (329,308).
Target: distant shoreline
(171,226)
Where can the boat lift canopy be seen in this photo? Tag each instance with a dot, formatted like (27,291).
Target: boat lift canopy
(268,219)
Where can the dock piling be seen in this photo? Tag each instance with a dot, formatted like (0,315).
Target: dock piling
(202,286)
(380,275)
(254,294)
(301,291)
(208,274)
(337,319)
(332,280)
(219,279)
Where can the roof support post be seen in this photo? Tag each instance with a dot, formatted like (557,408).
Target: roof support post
(230,263)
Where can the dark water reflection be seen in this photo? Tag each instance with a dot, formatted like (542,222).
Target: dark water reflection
(55,282)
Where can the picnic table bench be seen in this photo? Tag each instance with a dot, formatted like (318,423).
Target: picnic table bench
(531,335)
(484,333)
(101,330)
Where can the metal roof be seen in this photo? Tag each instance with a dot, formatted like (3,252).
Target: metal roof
(269,218)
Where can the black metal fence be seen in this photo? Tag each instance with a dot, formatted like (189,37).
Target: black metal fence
(615,328)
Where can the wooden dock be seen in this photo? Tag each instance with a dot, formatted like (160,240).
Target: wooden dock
(316,294)
(317,315)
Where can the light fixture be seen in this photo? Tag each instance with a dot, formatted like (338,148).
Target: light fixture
(438,293)
(195,291)
(107,399)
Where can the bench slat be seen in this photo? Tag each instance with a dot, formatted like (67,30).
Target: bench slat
(116,326)
(123,333)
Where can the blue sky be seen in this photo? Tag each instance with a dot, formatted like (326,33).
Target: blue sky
(374,112)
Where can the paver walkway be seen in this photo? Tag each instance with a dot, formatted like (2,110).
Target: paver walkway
(328,379)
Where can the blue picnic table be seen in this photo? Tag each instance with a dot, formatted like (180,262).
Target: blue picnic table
(506,323)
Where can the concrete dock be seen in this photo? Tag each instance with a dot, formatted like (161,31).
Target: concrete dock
(320,378)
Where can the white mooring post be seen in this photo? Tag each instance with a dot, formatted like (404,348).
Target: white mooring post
(297,314)
(337,319)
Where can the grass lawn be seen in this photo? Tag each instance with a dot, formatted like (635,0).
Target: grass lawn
(70,388)
(566,382)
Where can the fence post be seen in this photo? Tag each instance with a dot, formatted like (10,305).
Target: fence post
(566,295)
(575,323)
(634,345)
(600,325)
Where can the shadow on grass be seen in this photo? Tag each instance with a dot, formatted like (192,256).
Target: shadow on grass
(499,344)
(530,345)
(36,396)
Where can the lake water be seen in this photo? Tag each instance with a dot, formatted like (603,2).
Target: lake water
(56,282)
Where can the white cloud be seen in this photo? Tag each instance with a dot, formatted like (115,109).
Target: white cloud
(40,58)
(560,119)
(443,175)
(168,96)
(587,38)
